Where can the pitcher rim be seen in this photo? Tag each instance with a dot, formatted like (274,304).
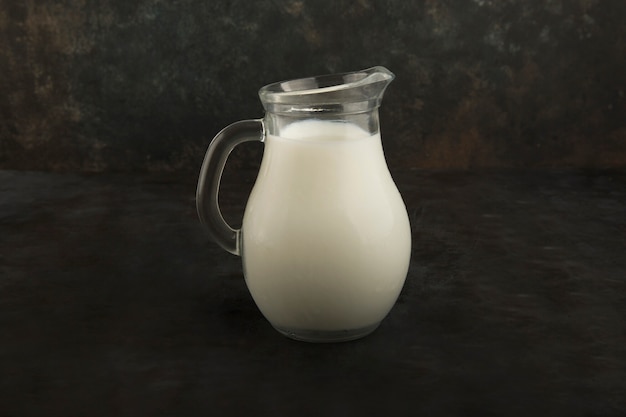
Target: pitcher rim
(363,86)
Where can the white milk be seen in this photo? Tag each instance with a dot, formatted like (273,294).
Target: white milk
(326,236)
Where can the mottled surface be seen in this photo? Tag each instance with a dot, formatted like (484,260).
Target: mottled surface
(113,302)
(96,85)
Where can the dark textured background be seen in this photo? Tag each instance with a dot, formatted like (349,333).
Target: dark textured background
(97,85)
(114,302)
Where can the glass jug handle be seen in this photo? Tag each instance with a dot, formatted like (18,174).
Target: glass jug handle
(211,173)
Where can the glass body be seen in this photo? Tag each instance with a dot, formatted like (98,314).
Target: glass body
(325,238)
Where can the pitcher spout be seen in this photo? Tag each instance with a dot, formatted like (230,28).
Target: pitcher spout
(372,82)
(351,92)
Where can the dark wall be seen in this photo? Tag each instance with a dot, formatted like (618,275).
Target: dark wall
(143,85)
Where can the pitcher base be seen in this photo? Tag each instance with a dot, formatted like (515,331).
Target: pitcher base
(327,336)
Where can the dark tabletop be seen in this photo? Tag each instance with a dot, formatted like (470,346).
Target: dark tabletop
(113,301)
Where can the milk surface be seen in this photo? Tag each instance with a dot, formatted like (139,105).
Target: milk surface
(326,236)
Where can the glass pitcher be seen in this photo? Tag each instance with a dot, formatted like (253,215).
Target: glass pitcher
(325,239)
